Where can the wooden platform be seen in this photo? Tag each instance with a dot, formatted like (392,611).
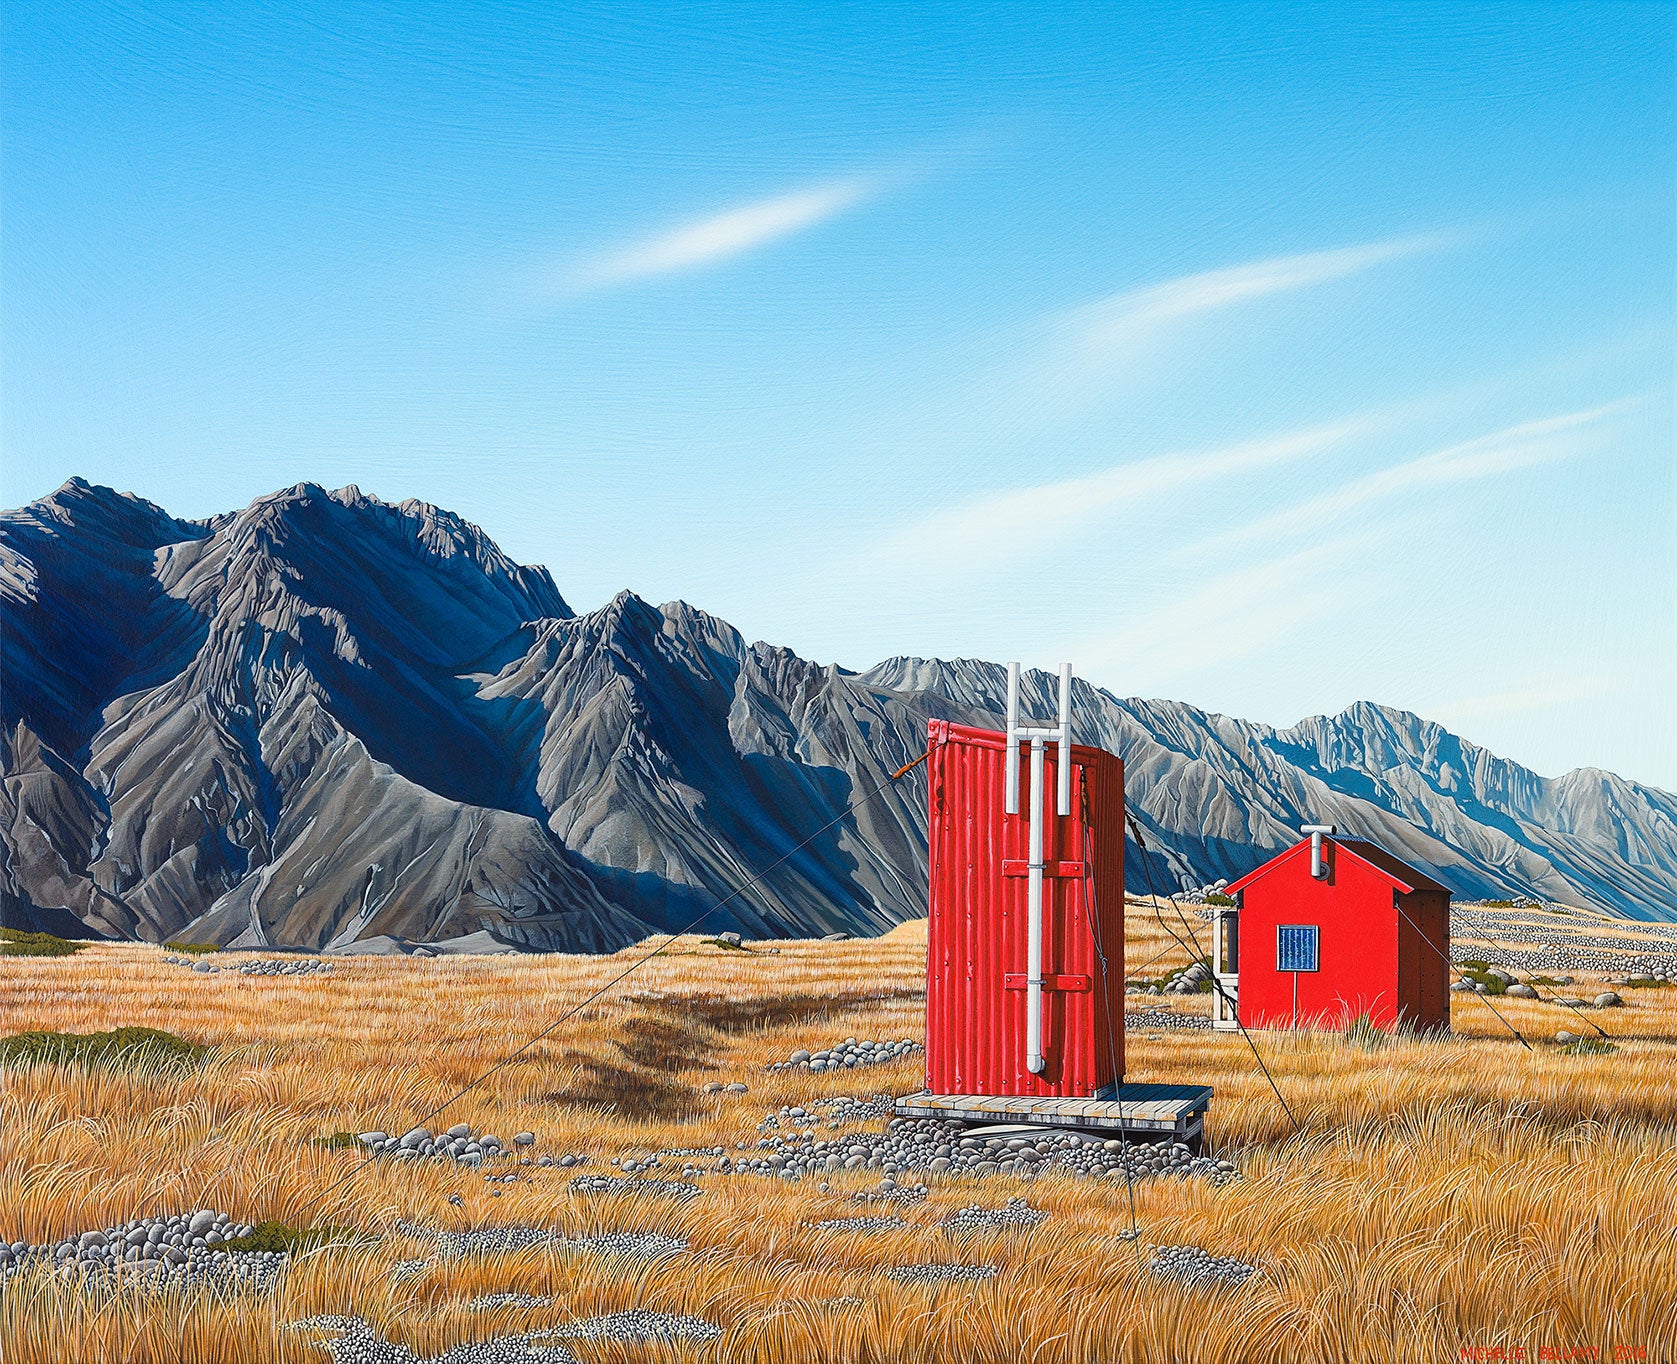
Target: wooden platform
(1143,1112)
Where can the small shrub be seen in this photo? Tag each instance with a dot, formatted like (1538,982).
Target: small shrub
(724,944)
(195,949)
(1589,1046)
(338,1141)
(119,1049)
(1215,899)
(14,942)
(277,1236)
(1363,1033)
(1479,972)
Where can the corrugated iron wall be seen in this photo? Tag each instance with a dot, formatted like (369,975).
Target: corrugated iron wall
(975,1024)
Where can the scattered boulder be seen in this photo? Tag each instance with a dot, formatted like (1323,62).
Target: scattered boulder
(1608,999)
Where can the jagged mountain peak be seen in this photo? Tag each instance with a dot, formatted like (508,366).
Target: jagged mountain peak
(326,716)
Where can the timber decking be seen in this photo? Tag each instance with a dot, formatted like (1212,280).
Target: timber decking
(1178,1109)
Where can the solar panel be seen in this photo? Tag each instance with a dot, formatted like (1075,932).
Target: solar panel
(1295,947)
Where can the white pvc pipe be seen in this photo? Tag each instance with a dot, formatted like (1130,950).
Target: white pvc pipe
(1034,1061)
(1010,795)
(1064,769)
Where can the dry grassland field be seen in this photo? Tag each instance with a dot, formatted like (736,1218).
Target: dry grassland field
(1446,1199)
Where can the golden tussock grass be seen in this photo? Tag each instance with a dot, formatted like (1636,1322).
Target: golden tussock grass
(1451,1194)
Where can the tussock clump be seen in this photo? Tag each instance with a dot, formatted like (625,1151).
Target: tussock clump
(14,942)
(121,1048)
(281,1238)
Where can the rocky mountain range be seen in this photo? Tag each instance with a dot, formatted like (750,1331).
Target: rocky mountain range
(332,722)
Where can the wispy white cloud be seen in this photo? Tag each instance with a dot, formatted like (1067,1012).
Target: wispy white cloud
(1507,451)
(1127,316)
(997,529)
(1081,354)
(722,236)
(1234,615)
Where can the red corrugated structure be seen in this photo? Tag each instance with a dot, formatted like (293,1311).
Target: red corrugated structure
(1381,933)
(975,968)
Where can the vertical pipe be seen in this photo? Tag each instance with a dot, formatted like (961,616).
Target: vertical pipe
(1064,770)
(1033,960)
(1010,783)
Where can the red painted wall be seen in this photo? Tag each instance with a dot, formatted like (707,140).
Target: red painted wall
(976,934)
(1372,961)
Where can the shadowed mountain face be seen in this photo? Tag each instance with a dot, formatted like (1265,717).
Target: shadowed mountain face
(326,719)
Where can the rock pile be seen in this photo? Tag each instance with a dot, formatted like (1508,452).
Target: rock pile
(1193,1267)
(1016,1213)
(889,1191)
(457,1144)
(1594,955)
(294,966)
(848,1055)
(938,1273)
(158,1252)
(637,1325)
(1155,1020)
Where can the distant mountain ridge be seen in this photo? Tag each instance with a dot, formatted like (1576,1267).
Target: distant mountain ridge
(325,719)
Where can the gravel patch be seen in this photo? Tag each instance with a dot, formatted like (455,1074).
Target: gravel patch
(848,1055)
(642,1245)
(638,1325)
(494,1302)
(494,1241)
(155,1253)
(1193,1267)
(862,1224)
(648,1188)
(1016,1213)
(630,1245)
(354,1341)
(802,1142)
(937,1273)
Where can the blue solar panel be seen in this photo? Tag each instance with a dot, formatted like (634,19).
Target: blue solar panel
(1295,947)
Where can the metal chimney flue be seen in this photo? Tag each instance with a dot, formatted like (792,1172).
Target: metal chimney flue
(1318,868)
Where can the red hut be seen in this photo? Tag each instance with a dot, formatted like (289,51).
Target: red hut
(1334,929)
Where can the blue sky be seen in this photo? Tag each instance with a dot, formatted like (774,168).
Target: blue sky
(1268,357)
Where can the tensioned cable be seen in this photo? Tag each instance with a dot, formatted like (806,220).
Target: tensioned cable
(1492,942)
(622,975)
(1216,985)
